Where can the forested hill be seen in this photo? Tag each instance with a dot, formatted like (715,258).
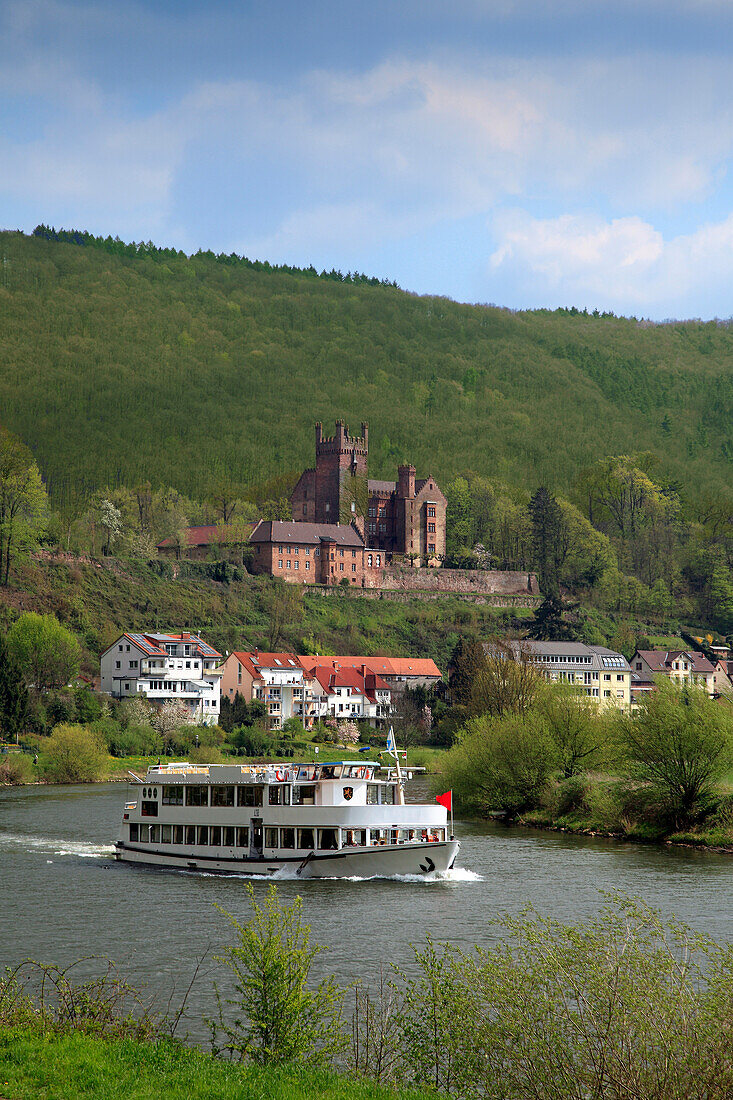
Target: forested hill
(119,365)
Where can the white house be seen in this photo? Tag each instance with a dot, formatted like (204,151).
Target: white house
(166,668)
(354,693)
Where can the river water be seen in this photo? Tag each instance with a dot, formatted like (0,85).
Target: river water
(63,897)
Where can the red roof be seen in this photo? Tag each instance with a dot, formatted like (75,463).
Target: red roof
(211,534)
(661,659)
(381,666)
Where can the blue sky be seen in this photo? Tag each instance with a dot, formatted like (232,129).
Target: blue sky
(521,152)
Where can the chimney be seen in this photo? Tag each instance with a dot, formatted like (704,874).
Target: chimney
(365,434)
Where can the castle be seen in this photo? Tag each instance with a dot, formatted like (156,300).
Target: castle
(406,517)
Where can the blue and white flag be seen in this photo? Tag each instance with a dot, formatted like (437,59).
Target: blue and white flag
(390,740)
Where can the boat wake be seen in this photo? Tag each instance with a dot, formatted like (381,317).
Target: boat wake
(56,846)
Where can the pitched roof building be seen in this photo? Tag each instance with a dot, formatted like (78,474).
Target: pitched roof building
(679,665)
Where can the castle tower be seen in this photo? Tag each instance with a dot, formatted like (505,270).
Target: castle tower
(341,486)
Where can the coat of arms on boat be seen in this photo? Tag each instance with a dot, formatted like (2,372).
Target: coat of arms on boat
(348,793)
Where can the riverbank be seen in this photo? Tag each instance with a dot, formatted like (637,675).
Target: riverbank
(35,1066)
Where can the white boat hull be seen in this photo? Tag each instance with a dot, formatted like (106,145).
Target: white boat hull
(381,861)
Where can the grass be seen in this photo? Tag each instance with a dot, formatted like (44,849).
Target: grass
(80,1067)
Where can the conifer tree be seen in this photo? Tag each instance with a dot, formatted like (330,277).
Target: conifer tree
(13,695)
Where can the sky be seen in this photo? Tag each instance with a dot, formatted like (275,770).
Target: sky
(527,153)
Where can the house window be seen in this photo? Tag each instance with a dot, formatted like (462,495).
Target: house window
(378,559)
(297,565)
(280,563)
(117,663)
(289,565)
(307,565)
(431,547)
(316,553)
(341,567)
(133,664)
(431,528)
(353,568)
(369,559)
(328,506)
(353,553)
(341,553)
(307,551)
(295,550)
(305,509)
(431,512)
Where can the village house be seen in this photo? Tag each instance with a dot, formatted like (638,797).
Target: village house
(678,665)
(600,673)
(312,553)
(306,688)
(398,672)
(165,667)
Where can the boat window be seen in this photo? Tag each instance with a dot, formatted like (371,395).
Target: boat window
(227,836)
(215,836)
(243,836)
(178,834)
(222,796)
(155,834)
(166,834)
(388,795)
(249,796)
(305,838)
(173,796)
(202,836)
(197,796)
(270,838)
(372,794)
(149,809)
(144,833)
(379,836)
(190,834)
(304,795)
(307,773)
(354,838)
(328,839)
(134,832)
(331,771)
(280,796)
(287,838)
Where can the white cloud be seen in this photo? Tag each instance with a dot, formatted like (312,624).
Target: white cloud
(623,263)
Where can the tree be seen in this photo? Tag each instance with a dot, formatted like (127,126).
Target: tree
(110,520)
(48,654)
(680,742)
(277,1018)
(550,538)
(507,682)
(73,754)
(23,505)
(551,621)
(13,695)
(579,732)
(466,662)
(500,764)
(620,490)
(284,607)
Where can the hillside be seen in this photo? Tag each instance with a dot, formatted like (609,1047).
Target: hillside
(121,368)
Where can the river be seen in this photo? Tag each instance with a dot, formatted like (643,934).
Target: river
(64,897)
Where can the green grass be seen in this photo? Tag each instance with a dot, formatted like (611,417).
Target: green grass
(79,1067)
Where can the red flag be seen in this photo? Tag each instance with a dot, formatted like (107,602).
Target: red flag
(445,799)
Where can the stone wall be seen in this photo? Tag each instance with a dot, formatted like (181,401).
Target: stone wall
(403,578)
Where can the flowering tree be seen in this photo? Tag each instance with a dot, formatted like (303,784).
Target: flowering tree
(170,716)
(348,733)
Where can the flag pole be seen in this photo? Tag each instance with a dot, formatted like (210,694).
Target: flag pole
(452,831)
(393,749)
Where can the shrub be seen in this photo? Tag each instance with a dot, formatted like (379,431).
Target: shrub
(73,754)
(16,768)
(572,795)
(277,1018)
(134,741)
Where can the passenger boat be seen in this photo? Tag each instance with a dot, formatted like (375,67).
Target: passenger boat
(337,819)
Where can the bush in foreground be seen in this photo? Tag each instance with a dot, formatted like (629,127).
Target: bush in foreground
(73,754)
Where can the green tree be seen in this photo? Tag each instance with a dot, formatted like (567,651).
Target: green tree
(467,660)
(277,1018)
(73,754)
(500,764)
(680,742)
(23,505)
(554,620)
(48,654)
(579,731)
(550,539)
(13,695)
